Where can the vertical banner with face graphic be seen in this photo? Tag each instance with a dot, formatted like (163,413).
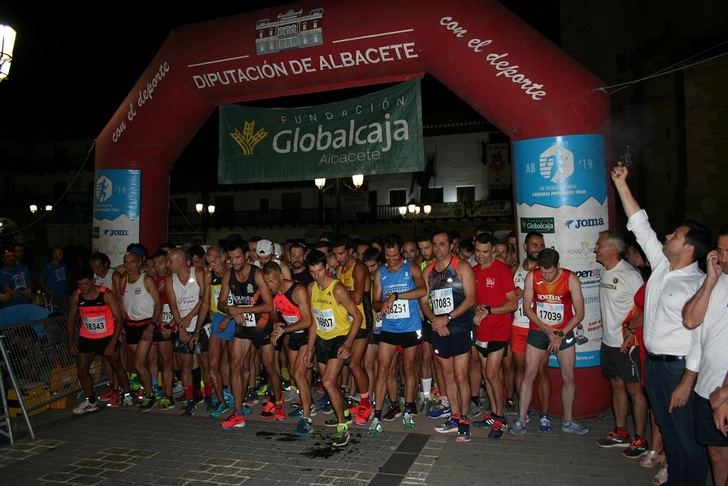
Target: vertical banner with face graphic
(117,201)
(561,191)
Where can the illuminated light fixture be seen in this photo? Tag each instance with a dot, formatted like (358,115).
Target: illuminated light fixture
(411,208)
(427,209)
(49,207)
(358,180)
(7,43)
(211,209)
(33,208)
(199,207)
(402,210)
(320,182)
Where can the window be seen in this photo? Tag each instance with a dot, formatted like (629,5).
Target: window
(397,197)
(465,193)
(432,195)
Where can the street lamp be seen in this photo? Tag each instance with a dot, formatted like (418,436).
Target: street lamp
(200,208)
(357,180)
(33,208)
(7,43)
(414,211)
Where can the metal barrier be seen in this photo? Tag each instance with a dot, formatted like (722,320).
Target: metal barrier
(44,369)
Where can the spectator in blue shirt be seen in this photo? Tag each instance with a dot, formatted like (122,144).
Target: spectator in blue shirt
(53,280)
(15,280)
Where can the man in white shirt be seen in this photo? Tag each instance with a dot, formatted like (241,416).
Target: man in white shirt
(707,312)
(621,365)
(675,279)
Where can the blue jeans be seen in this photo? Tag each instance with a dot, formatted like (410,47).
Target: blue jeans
(686,459)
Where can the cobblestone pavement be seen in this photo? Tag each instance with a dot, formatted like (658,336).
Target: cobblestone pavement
(117,446)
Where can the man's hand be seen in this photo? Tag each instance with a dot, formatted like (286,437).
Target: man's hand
(439,323)
(307,359)
(619,174)
(712,263)
(182,334)
(717,397)
(680,396)
(554,342)
(720,418)
(223,324)
(344,352)
(109,349)
(629,340)
(276,334)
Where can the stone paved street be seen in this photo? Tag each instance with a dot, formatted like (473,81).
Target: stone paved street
(127,447)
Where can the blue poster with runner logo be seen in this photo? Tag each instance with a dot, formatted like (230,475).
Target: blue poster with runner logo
(117,205)
(560,171)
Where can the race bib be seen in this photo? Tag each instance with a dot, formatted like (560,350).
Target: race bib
(400,310)
(324,319)
(378,322)
(550,313)
(249,320)
(207,328)
(166,313)
(95,325)
(290,319)
(442,301)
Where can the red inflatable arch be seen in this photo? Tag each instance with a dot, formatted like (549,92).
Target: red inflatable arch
(502,67)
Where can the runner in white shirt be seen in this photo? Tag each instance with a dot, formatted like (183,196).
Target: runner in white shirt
(707,311)
(619,283)
(675,278)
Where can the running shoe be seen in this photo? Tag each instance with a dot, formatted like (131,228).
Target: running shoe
(115,399)
(107,395)
(362,414)
(342,436)
(487,421)
(262,389)
(221,408)
(148,403)
(474,410)
(304,427)
(190,408)
(134,384)
(268,410)
(500,424)
(544,423)
(209,404)
(511,407)
(128,400)
(518,428)
(614,439)
(85,407)
(247,409)
(660,477)
(375,428)
(530,414)
(439,412)
(334,422)
(463,432)
(651,459)
(393,412)
(574,428)
(324,404)
(251,398)
(350,402)
(158,392)
(450,426)
(636,448)
(298,412)
(228,396)
(166,403)
(407,421)
(290,394)
(178,391)
(234,421)
(279,413)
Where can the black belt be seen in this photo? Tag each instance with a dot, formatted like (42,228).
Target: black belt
(664,357)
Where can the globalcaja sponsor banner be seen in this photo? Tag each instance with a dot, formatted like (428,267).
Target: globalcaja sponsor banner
(378,133)
(117,202)
(561,192)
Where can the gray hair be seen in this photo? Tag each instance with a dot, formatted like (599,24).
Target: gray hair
(615,237)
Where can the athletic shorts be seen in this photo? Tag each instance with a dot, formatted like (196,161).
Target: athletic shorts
(519,337)
(259,338)
(705,432)
(452,345)
(426,330)
(374,338)
(134,333)
(626,366)
(326,349)
(487,347)
(362,334)
(184,347)
(538,339)
(158,337)
(403,339)
(228,333)
(204,339)
(93,346)
(296,340)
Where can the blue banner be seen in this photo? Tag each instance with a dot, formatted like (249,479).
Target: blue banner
(560,171)
(117,192)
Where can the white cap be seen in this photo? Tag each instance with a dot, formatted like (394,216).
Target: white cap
(277,250)
(264,248)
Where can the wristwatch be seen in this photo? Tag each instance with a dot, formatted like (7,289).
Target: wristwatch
(396,295)
(449,317)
